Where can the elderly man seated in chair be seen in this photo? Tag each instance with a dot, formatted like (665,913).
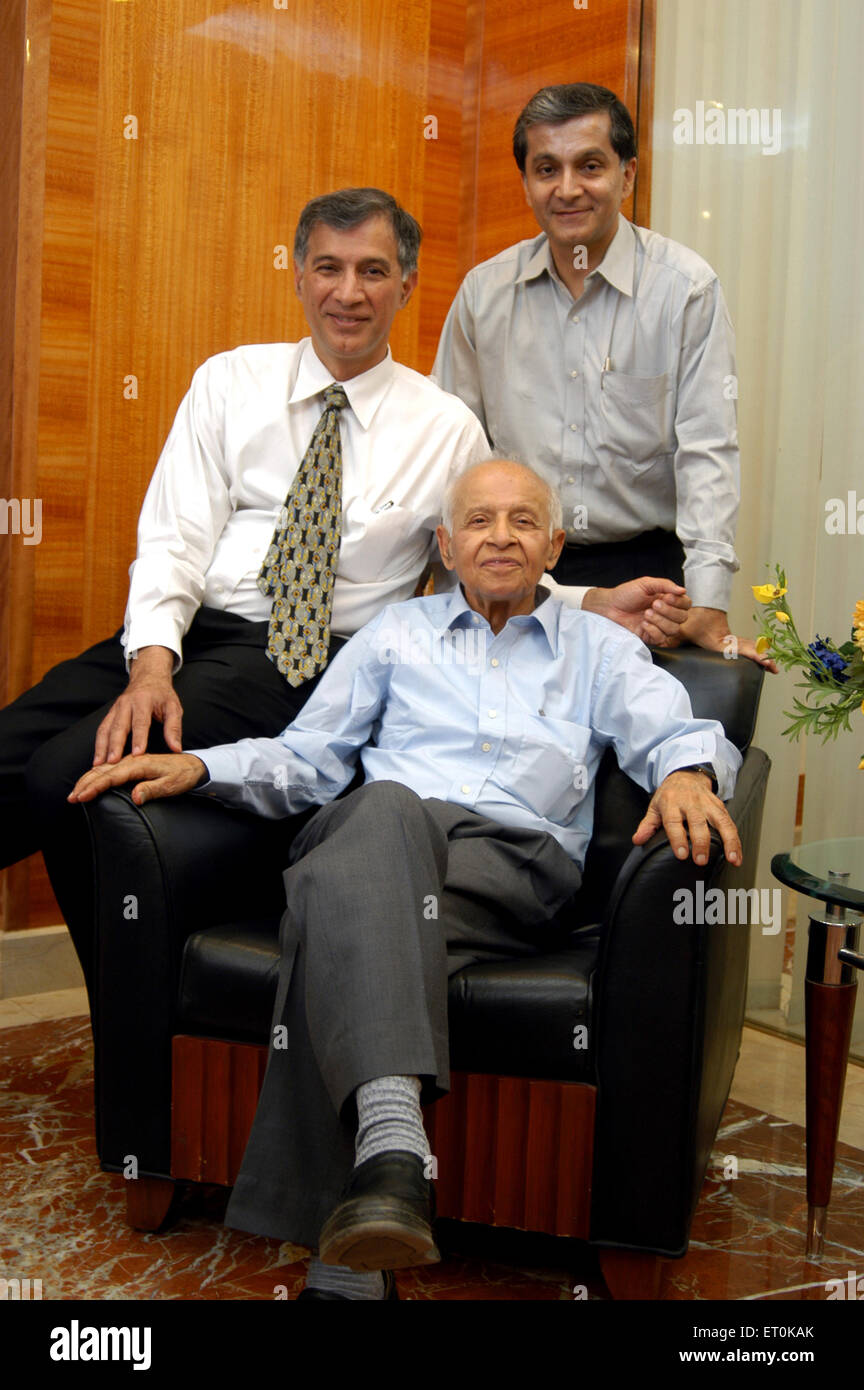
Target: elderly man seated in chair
(479,717)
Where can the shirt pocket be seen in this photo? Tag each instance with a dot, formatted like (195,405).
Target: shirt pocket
(637,413)
(550,770)
(383,545)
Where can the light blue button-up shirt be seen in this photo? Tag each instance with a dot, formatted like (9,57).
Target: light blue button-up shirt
(511,726)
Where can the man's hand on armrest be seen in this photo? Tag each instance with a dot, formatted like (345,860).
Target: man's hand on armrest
(709,628)
(685,802)
(652,608)
(161,774)
(149,695)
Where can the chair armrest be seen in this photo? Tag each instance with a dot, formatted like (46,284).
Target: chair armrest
(669,1005)
(162,871)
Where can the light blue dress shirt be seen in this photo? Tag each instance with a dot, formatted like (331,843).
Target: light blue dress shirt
(511,726)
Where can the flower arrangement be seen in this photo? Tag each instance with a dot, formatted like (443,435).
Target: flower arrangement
(833,676)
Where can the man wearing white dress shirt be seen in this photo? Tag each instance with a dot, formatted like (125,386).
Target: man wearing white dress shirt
(602,353)
(479,762)
(193,652)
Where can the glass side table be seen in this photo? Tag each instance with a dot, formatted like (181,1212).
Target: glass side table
(833,871)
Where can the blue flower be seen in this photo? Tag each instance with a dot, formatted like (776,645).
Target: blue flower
(835,663)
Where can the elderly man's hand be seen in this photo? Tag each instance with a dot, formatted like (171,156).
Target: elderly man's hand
(160,774)
(684,802)
(709,628)
(652,608)
(149,695)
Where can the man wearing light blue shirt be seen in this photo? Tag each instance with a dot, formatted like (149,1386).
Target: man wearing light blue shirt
(479,718)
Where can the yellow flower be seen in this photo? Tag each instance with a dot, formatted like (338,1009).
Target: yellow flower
(763,644)
(766,593)
(782,617)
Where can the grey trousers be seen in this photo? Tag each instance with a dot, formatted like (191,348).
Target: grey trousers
(388,895)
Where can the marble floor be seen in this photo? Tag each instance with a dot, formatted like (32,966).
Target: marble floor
(63,1218)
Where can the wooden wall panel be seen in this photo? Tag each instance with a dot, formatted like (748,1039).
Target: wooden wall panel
(440,268)
(65,463)
(12,105)
(644,114)
(52,348)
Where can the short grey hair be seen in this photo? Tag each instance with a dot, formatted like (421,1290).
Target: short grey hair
(347,208)
(556,511)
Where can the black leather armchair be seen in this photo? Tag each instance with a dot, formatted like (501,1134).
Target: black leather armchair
(602,1134)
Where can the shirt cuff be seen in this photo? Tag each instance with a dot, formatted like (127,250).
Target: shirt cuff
(709,587)
(725,772)
(571,595)
(153,634)
(221,766)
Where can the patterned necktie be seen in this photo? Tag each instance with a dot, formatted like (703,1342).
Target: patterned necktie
(300,565)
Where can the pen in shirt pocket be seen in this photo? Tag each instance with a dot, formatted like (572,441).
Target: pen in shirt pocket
(385,506)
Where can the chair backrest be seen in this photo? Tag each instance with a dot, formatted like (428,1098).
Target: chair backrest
(719,689)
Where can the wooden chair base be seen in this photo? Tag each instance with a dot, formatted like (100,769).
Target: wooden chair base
(509,1151)
(148,1201)
(630,1274)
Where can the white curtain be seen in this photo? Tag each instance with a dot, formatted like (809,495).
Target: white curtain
(785,233)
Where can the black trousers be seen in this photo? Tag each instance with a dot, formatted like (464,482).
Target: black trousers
(659,554)
(228,689)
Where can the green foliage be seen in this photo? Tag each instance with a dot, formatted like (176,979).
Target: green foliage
(833,676)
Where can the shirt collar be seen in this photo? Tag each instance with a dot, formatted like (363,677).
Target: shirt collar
(617,266)
(365,392)
(458,613)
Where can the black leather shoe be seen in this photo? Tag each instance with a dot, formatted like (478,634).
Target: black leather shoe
(391,1293)
(384,1219)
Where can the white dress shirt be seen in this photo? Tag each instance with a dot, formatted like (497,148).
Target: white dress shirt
(511,726)
(238,439)
(624,400)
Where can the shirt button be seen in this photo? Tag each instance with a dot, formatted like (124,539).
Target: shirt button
(487,747)
(574,427)
(494,661)
(465,788)
(493,714)
(574,374)
(220,588)
(571,480)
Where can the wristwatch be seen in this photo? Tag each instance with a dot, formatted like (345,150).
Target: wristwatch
(702,767)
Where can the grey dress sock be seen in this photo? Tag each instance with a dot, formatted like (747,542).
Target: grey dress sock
(351,1283)
(389,1117)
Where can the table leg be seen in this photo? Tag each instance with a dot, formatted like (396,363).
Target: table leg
(829,993)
